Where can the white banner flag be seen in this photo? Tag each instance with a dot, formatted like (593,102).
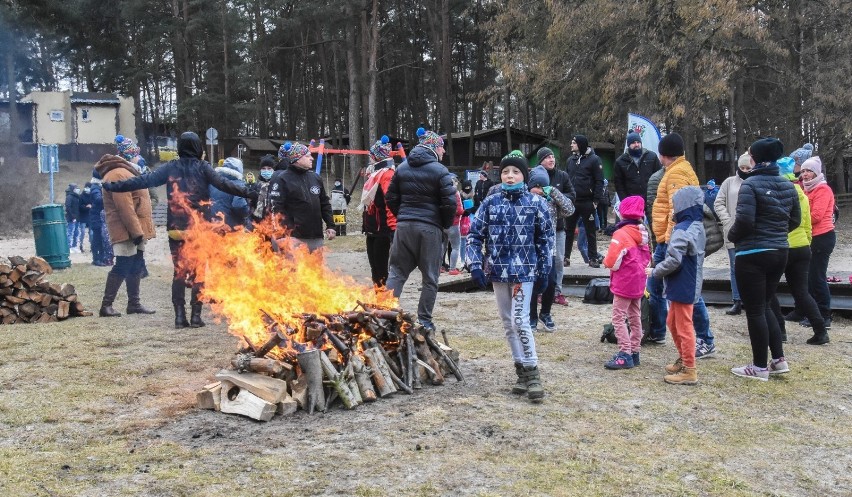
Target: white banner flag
(646,129)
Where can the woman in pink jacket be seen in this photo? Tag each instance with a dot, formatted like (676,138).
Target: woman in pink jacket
(822,225)
(627,258)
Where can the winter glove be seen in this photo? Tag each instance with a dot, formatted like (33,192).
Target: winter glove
(139,239)
(478,277)
(540,284)
(253,194)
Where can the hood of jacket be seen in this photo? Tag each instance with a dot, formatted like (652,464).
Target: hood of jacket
(109,162)
(189,146)
(232,168)
(420,155)
(688,204)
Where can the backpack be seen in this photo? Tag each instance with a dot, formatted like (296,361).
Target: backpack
(597,292)
(713,231)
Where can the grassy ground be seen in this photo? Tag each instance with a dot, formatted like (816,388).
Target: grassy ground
(96,406)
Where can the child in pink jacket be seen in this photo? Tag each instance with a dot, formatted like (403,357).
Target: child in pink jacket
(627,258)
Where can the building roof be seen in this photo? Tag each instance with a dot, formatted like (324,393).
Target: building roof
(94,98)
(258,144)
(484,133)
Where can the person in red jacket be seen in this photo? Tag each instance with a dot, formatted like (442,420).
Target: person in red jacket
(379,223)
(821,198)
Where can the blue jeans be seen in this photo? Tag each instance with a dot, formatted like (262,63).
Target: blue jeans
(71,231)
(660,310)
(582,242)
(735,292)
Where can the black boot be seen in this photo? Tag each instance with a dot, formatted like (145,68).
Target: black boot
(180,316)
(195,318)
(735,309)
(134,306)
(113,283)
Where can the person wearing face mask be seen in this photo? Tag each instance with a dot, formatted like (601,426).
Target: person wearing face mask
(85,207)
(725,207)
(72,216)
(260,206)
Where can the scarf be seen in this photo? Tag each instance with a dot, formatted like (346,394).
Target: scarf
(810,185)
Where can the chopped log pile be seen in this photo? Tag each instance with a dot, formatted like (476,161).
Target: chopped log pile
(350,358)
(27,297)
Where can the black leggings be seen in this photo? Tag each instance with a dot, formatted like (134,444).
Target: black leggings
(378,252)
(585,212)
(821,248)
(796,273)
(758,275)
(547,296)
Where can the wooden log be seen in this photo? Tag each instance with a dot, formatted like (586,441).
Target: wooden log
(31,278)
(380,371)
(55,288)
(340,385)
(287,406)
(237,400)
(362,378)
(5,269)
(14,300)
(425,355)
(416,383)
(6,290)
(349,376)
(22,293)
(63,308)
(28,309)
(66,290)
(16,275)
(373,343)
(16,260)
(5,282)
(210,396)
(5,311)
(77,308)
(272,367)
(299,391)
(311,367)
(46,300)
(271,390)
(10,319)
(444,357)
(36,263)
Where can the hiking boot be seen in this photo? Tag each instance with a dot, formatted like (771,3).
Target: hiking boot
(547,321)
(704,349)
(621,360)
(560,299)
(195,316)
(520,385)
(752,372)
(818,339)
(686,376)
(180,316)
(735,309)
(675,367)
(635,357)
(793,316)
(535,391)
(778,366)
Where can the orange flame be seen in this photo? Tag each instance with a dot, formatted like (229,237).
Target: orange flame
(242,275)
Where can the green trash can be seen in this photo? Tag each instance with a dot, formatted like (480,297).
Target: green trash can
(49,230)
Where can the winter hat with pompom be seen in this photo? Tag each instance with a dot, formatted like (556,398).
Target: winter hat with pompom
(429,139)
(632,207)
(381,150)
(126,148)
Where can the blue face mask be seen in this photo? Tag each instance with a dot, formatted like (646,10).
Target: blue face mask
(511,188)
(266,173)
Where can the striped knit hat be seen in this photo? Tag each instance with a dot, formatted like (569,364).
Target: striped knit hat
(430,139)
(126,148)
(381,150)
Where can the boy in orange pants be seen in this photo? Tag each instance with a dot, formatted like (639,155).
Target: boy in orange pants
(682,274)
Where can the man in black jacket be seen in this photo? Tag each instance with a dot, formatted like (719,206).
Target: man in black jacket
(558,179)
(633,169)
(422,197)
(298,194)
(480,191)
(191,177)
(586,174)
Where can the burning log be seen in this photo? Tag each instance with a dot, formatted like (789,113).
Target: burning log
(26,297)
(311,367)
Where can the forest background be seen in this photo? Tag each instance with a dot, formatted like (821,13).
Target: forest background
(362,68)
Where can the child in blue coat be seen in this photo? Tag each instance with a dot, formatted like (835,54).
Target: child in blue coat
(514,229)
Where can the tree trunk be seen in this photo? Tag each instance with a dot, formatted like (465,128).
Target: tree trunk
(354,89)
(372,72)
(446,78)
(11,86)
(507,118)
(226,119)
(179,53)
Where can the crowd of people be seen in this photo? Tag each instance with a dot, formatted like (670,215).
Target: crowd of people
(515,234)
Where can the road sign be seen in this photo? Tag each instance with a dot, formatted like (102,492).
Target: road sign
(212,134)
(48,158)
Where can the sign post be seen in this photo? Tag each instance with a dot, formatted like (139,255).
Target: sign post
(48,162)
(211,134)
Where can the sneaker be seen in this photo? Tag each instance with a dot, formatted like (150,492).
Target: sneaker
(547,321)
(752,372)
(534,324)
(827,323)
(560,299)
(594,264)
(635,356)
(428,326)
(454,272)
(778,366)
(621,360)
(703,349)
(648,339)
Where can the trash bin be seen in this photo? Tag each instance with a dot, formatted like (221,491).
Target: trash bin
(51,241)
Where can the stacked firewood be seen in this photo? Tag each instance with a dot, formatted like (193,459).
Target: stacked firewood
(350,358)
(27,297)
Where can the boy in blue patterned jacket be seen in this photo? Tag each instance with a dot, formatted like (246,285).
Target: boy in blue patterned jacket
(515,228)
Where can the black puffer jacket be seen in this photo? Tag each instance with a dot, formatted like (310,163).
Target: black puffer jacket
(299,195)
(422,190)
(632,179)
(72,203)
(189,174)
(560,180)
(586,174)
(767,209)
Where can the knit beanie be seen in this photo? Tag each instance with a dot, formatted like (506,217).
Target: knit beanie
(539,177)
(543,153)
(632,207)
(430,139)
(267,161)
(800,155)
(516,158)
(582,143)
(766,150)
(126,148)
(633,137)
(294,151)
(813,164)
(671,145)
(381,150)
(744,161)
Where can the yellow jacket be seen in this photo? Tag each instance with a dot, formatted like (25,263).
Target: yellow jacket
(801,236)
(677,175)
